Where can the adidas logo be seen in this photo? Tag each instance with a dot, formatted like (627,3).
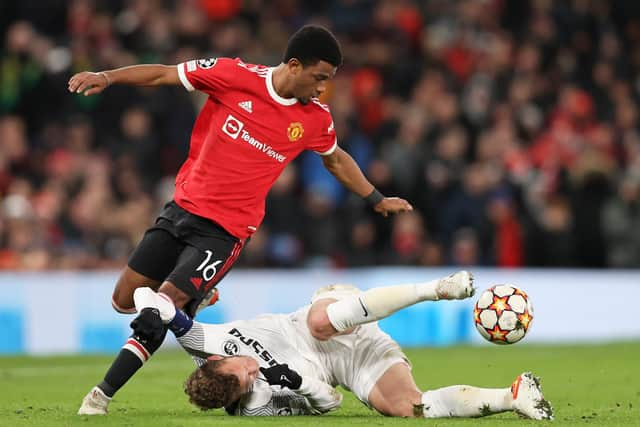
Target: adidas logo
(246,106)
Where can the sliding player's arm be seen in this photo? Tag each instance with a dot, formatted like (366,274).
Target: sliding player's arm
(321,396)
(265,400)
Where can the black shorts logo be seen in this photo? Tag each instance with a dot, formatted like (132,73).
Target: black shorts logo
(230,347)
(206,63)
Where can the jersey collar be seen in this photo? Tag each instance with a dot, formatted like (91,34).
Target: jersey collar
(272,91)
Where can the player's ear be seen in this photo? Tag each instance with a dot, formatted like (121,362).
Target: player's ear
(295,66)
(215,357)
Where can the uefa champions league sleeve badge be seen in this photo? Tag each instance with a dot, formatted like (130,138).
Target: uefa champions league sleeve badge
(206,63)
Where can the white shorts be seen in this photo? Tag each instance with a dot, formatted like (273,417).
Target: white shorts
(359,359)
(356,361)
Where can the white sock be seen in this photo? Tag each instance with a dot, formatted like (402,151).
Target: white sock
(378,303)
(147,297)
(466,401)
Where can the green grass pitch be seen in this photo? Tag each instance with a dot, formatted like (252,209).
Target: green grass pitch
(588,385)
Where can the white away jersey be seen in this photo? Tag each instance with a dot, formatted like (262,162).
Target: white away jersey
(355,361)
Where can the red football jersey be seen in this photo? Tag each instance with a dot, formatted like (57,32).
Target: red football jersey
(243,138)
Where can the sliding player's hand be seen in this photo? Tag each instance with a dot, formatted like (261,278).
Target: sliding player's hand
(283,376)
(148,325)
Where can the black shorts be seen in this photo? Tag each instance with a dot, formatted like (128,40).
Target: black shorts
(187,250)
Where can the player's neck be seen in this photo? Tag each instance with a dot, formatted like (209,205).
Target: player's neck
(282,85)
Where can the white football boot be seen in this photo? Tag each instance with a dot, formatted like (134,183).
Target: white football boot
(528,400)
(94,403)
(456,286)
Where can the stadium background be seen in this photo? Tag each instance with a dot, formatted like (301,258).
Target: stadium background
(512,127)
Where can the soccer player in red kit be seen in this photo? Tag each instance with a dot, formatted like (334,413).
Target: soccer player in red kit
(255,121)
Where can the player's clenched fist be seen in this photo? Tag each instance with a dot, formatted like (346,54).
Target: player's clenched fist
(283,376)
(89,83)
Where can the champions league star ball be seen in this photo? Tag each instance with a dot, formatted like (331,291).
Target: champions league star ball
(503,314)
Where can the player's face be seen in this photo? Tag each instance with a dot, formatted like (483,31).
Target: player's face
(311,80)
(244,368)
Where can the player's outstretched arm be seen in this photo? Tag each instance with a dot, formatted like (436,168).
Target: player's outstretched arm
(320,395)
(90,83)
(341,165)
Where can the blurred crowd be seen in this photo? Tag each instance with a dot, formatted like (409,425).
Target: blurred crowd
(511,126)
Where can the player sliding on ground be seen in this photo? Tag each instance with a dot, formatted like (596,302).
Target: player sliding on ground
(289,364)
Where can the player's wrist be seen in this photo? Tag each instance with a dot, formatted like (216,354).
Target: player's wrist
(107,78)
(374,197)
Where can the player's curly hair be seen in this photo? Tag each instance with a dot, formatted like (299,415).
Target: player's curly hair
(209,389)
(313,43)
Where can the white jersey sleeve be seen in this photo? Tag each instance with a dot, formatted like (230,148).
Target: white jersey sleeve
(313,398)
(265,400)
(321,396)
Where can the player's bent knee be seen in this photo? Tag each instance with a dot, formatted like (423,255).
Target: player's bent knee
(318,323)
(128,282)
(122,305)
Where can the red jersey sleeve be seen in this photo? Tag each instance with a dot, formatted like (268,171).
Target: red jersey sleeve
(212,76)
(326,142)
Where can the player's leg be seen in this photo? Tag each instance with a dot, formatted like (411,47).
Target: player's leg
(149,264)
(465,401)
(328,317)
(128,282)
(152,260)
(192,284)
(196,273)
(524,397)
(396,394)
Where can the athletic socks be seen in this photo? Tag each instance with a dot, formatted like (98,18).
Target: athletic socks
(122,368)
(465,401)
(135,352)
(378,303)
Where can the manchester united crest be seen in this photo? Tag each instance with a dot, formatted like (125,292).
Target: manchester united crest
(295,131)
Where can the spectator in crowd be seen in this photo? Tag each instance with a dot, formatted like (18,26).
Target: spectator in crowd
(621,224)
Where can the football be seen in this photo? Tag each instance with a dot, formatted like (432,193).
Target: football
(503,314)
